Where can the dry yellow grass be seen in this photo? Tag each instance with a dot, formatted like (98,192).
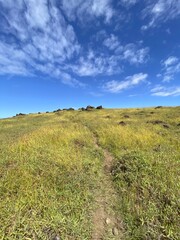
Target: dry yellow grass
(50,169)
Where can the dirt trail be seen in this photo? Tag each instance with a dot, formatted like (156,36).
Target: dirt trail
(106,224)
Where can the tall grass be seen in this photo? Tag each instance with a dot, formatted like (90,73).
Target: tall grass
(146,170)
(47,177)
(50,168)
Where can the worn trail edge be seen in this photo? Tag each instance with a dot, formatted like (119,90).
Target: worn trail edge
(106,223)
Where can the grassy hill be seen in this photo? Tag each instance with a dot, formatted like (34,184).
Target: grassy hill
(100,174)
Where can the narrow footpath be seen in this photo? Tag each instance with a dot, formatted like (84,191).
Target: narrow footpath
(105,221)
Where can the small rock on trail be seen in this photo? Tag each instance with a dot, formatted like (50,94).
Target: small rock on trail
(56,238)
(115,231)
(108,221)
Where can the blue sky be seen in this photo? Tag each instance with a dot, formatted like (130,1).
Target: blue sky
(71,53)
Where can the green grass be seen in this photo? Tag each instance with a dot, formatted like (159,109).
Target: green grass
(50,169)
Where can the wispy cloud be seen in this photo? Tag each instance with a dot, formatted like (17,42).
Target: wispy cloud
(93,64)
(36,38)
(131,52)
(160,11)
(170,67)
(112,42)
(78,9)
(130,81)
(128,3)
(135,55)
(163,91)
(170,61)
(110,62)
(40,40)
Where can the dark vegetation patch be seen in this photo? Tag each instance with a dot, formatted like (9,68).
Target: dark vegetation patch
(148,205)
(126,116)
(90,108)
(79,143)
(108,116)
(140,113)
(82,109)
(20,114)
(157,148)
(58,110)
(127,167)
(166,126)
(154,122)
(159,122)
(122,123)
(158,107)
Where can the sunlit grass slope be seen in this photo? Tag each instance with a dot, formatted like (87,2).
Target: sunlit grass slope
(47,178)
(50,169)
(146,170)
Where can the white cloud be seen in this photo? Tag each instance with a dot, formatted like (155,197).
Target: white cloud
(41,41)
(102,8)
(162,91)
(128,3)
(112,42)
(112,61)
(87,10)
(96,64)
(130,81)
(170,61)
(12,60)
(37,14)
(134,55)
(170,67)
(161,11)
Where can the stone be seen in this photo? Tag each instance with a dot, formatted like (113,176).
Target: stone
(115,231)
(108,221)
(56,238)
(88,108)
(99,107)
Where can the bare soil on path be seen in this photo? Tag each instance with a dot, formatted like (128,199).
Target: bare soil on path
(107,225)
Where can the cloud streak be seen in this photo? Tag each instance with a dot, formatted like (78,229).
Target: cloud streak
(161,91)
(130,81)
(170,67)
(40,40)
(38,37)
(88,10)
(157,12)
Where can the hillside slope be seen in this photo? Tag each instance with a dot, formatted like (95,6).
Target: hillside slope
(58,169)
